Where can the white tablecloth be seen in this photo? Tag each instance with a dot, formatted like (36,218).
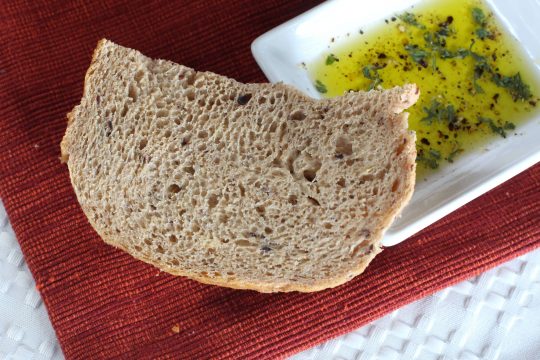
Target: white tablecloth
(493,316)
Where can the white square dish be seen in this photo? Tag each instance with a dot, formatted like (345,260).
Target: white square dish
(281,51)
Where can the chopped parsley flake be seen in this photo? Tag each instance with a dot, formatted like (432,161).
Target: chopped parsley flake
(410,19)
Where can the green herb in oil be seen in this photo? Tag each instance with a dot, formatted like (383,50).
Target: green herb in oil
(440,113)
(371,72)
(514,85)
(320,87)
(480,19)
(410,19)
(430,158)
(330,59)
(500,130)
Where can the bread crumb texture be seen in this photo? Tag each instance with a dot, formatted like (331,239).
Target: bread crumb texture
(252,186)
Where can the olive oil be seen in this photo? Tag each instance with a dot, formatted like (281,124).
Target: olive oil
(475,83)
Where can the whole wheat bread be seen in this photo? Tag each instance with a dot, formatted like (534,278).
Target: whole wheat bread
(252,186)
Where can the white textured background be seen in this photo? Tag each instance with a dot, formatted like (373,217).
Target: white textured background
(493,316)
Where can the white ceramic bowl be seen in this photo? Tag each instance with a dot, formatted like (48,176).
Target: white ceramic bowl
(281,51)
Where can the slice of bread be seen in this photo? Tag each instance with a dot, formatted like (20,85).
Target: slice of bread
(249,186)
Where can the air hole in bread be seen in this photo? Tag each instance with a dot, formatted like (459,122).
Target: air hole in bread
(298,115)
(293,199)
(243,99)
(167,133)
(311,172)
(290,160)
(359,247)
(190,77)
(313,201)
(148,241)
(212,201)
(175,262)
(260,209)
(173,189)
(190,94)
(162,113)
(310,175)
(223,218)
(395,185)
(343,146)
(283,131)
(160,249)
(242,190)
(202,134)
(173,239)
(327,225)
(185,141)
(132,92)
(277,162)
(268,230)
(341,182)
(243,243)
(139,75)
(161,123)
(137,248)
(142,144)
(261,100)
(124,110)
(401,146)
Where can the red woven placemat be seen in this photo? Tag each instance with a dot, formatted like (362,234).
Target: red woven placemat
(104,304)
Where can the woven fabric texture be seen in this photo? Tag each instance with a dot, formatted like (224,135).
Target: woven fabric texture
(104,304)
